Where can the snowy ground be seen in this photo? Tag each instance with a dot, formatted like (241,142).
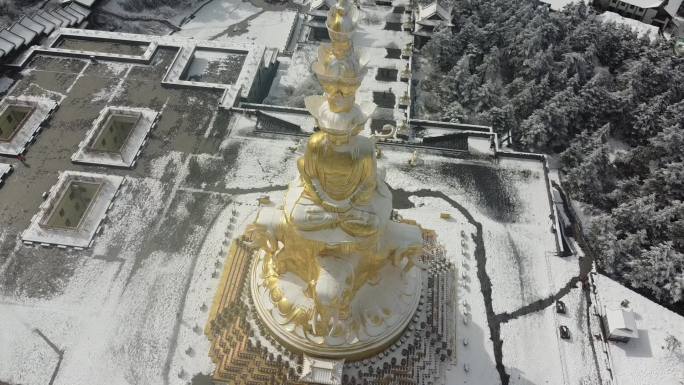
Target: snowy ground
(535,338)
(377,60)
(252,21)
(509,202)
(115,314)
(215,17)
(240,21)
(478,353)
(175,14)
(646,360)
(270,28)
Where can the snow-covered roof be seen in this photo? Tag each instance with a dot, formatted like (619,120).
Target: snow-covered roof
(644,3)
(47,24)
(79,8)
(642,29)
(78,15)
(621,323)
(6,46)
(32,24)
(85,3)
(27,34)
(64,21)
(425,12)
(66,15)
(58,22)
(18,41)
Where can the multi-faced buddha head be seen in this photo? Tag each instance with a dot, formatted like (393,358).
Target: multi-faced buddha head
(338,68)
(340,79)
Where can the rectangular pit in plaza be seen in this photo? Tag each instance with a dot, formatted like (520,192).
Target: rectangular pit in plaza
(12,118)
(20,121)
(114,133)
(72,206)
(75,207)
(215,66)
(116,137)
(109,46)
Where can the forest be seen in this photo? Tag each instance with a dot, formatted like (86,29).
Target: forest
(605,102)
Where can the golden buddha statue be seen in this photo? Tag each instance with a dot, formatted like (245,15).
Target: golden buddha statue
(334,276)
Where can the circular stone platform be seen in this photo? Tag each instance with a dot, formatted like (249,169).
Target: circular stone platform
(393,302)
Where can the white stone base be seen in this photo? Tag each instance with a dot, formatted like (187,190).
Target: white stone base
(393,301)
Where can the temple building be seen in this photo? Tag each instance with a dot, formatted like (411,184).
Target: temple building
(429,16)
(28,30)
(621,324)
(656,12)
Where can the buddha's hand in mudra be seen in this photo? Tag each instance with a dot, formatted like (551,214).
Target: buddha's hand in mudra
(360,218)
(317,217)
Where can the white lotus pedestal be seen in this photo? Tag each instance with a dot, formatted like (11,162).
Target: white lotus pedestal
(379,313)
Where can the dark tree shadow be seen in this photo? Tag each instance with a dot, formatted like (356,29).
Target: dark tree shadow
(201,379)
